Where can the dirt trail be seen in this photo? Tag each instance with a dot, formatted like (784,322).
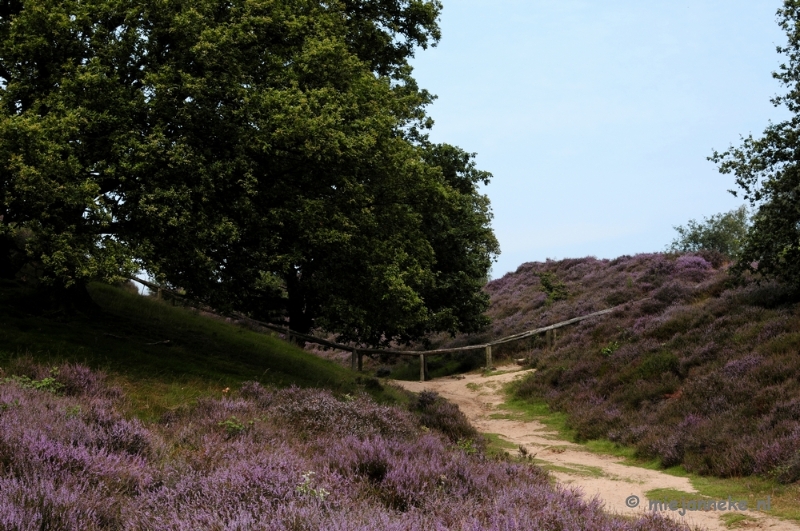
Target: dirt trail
(596,475)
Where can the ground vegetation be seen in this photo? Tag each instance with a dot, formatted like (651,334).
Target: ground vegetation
(258,458)
(693,369)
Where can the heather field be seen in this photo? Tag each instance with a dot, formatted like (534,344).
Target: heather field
(261,457)
(692,370)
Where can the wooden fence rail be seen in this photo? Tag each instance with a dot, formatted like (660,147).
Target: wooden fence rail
(356,358)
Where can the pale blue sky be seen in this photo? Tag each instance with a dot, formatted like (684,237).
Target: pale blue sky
(596,117)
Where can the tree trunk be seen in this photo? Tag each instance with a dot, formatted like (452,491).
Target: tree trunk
(71,300)
(299,318)
(9,260)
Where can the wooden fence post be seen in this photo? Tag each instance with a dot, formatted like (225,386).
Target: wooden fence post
(422,367)
(489,358)
(548,339)
(554,338)
(360,360)
(354,359)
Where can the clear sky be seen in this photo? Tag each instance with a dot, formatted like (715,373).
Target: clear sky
(596,116)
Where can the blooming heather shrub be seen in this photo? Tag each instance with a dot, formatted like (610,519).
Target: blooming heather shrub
(778,457)
(58,470)
(689,266)
(78,380)
(318,411)
(256,392)
(445,417)
(672,292)
(738,368)
(593,417)
(25,366)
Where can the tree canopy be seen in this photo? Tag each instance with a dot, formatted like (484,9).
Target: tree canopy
(268,156)
(767,171)
(724,233)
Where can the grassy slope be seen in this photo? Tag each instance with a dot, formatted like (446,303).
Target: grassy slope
(203,355)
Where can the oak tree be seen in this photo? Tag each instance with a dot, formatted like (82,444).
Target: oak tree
(265,156)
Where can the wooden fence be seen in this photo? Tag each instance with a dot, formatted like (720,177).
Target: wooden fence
(357,353)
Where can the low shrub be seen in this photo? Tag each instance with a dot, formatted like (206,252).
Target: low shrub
(266,459)
(438,414)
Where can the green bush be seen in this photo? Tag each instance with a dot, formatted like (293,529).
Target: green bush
(555,289)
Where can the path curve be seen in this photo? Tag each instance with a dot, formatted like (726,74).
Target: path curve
(596,475)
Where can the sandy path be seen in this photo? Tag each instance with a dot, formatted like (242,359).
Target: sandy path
(596,475)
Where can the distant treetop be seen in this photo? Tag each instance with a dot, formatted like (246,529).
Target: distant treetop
(724,233)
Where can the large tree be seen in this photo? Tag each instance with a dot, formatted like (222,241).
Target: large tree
(767,170)
(266,156)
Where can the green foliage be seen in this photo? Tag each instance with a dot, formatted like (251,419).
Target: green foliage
(724,233)
(268,157)
(654,365)
(610,348)
(233,426)
(467,446)
(48,383)
(555,289)
(306,488)
(767,171)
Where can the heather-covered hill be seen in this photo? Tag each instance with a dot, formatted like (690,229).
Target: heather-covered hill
(261,458)
(693,369)
(179,435)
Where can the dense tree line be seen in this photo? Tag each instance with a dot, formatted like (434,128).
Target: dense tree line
(265,156)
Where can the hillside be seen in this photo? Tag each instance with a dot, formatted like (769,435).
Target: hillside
(693,370)
(162,356)
(195,423)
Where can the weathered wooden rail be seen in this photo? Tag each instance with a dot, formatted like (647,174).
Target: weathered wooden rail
(357,353)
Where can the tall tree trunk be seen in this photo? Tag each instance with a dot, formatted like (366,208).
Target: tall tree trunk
(300,319)
(7,269)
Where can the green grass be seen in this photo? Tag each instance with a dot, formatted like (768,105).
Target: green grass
(497,446)
(526,411)
(128,340)
(735,520)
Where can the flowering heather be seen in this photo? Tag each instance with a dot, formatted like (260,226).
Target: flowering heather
(693,369)
(263,458)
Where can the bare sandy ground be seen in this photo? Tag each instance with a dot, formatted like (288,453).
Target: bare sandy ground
(596,475)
